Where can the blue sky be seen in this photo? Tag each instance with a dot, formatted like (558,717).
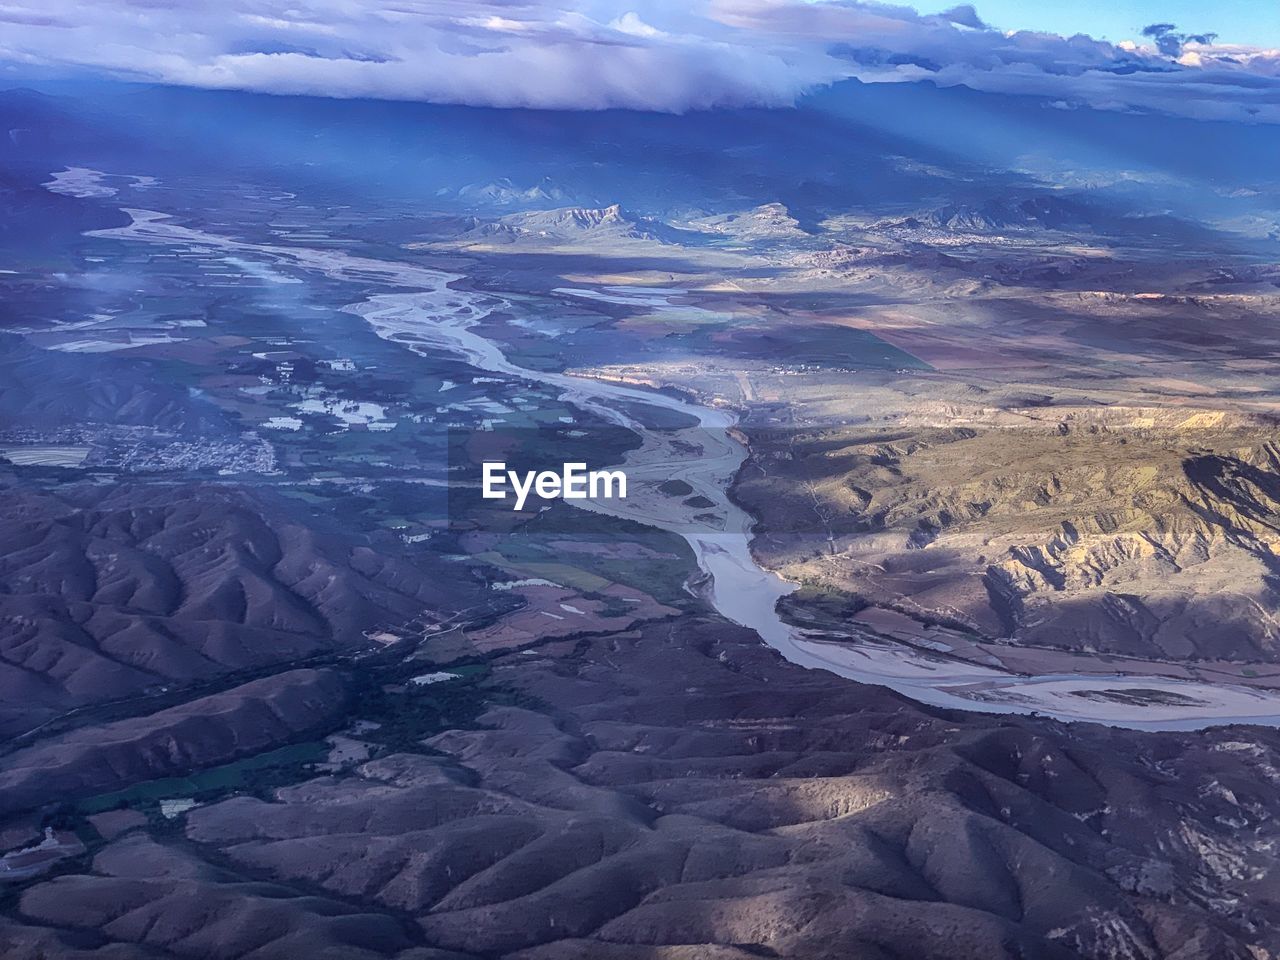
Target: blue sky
(1235,21)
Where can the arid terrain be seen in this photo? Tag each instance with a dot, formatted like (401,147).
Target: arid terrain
(757,805)
(1098,476)
(931,453)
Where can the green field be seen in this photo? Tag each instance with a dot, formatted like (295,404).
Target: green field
(279,765)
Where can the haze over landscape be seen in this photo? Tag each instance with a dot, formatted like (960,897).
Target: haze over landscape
(939,618)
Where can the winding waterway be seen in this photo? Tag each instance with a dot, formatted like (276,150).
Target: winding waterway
(431,315)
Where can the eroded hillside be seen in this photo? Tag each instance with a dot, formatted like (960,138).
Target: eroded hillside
(106,594)
(1143,532)
(753,809)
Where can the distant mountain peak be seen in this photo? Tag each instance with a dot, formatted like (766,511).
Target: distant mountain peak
(768,221)
(1002,213)
(505,192)
(569,224)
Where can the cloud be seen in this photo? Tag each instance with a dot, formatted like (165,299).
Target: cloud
(509,53)
(668,55)
(1171,43)
(966,16)
(630,23)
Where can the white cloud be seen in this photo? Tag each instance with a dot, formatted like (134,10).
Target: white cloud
(630,23)
(593,54)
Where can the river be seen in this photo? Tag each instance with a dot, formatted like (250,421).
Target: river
(434,314)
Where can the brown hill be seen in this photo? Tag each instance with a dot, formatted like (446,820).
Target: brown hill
(105,595)
(758,809)
(202,732)
(1150,539)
